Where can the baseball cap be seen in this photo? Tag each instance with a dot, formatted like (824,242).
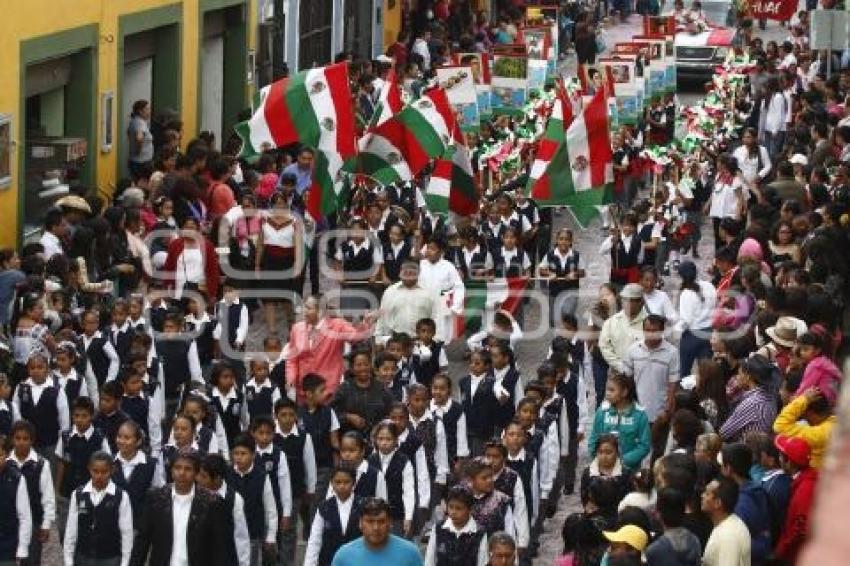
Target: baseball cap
(631,535)
(795,449)
(799,159)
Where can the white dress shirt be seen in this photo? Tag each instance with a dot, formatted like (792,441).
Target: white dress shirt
(125,520)
(63,379)
(60,445)
(241,537)
(534,506)
(309,457)
(658,302)
(181,509)
(51,244)
(470,527)
(548,459)
(408,484)
(441,453)
(63,413)
(269,504)
(317,530)
(423,479)
(522,522)
(362,468)
(499,374)
(127,467)
(111,373)
(474,382)
(462,444)
(284,484)
(24,513)
(241,330)
(45,486)
(695,312)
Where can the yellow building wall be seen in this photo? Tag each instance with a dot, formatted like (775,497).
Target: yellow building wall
(392,21)
(26,19)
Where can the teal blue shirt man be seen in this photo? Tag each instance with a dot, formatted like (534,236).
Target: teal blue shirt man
(377,547)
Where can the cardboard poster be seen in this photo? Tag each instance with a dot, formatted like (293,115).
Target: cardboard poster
(480,64)
(460,90)
(659,25)
(622,70)
(537,71)
(509,83)
(537,42)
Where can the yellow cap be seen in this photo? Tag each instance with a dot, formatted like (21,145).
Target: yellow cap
(630,534)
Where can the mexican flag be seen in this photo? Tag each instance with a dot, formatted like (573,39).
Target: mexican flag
(389,100)
(483,296)
(398,149)
(573,167)
(452,184)
(312,108)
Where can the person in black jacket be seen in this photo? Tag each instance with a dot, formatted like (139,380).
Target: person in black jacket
(186,508)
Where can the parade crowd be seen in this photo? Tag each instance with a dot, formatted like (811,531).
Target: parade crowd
(184,386)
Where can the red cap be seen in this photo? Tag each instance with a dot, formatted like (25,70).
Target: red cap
(795,449)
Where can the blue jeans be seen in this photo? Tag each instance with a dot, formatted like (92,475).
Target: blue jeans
(693,347)
(773,142)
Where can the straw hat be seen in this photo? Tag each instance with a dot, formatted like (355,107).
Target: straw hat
(74,202)
(784,332)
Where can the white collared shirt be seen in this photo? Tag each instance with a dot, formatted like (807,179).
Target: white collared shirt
(470,527)
(36,390)
(309,457)
(420,466)
(317,530)
(439,411)
(408,485)
(474,382)
(125,520)
(241,537)
(283,482)
(181,509)
(60,444)
(45,486)
(269,504)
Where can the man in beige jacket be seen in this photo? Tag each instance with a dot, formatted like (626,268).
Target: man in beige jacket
(624,328)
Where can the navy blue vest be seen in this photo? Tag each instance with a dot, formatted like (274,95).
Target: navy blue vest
(10,479)
(203,335)
(98,534)
(250,486)
(457,550)
(493,236)
(333,535)
(138,409)
(645,235)
(230,319)
(318,424)
(394,476)
(32,475)
(121,342)
(72,389)
(505,413)
(480,409)
(426,370)
(367,483)
(623,259)
(569,393)
(410,447)
(228,502)
(270,463)
(231,415)
(259,401)
(137,485)
(359,261)
(76,453)
(450,419)
(477,261)
(95,356)
(426,431)
(44,416)
(524,470)
(174,355)
(509,268)
(392,262)
(559,270)
(293,447)
(5,419)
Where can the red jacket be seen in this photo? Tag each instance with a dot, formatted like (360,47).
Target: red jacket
(797,527)
(211,267)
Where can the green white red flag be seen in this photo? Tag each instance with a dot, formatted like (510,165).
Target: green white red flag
(452,187)
(482,296)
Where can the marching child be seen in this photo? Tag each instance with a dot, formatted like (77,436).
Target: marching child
(542,444)
(41,402)
(144,410)
(212,476)
(431,431)
(7,410)
(411,445)
(98,360)
(508,387)
(321,423)
(199,323)
(36,472)
(209,431)
(525,466)
(606,467)
(65,374)
(182,438)
(231,329)
(273,461)
(227,400)
(261,392)
(133,470)
(567,398)
(509,482)
(623,245)
(179,361)
(297,445)
(100,518)
(15,538)
(491,508)
(337,519)
(120,332)
(254,485)
(399,475)
(136,305)
(564,268)
(429,355)
(369,479)
(451,414)
(400,346)
(109,416)
(479,401)
(73,450)
(458,540)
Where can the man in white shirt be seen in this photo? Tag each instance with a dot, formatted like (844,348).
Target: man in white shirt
(54,230)
(420,47)
(624,328)
(405,303)
(729,543)
(654,364)
(441,276)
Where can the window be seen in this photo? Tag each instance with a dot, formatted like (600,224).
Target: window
(315,23)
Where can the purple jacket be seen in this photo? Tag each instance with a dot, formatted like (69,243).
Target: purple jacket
(823,373)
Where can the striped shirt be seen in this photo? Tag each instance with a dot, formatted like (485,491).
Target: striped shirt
(756,411)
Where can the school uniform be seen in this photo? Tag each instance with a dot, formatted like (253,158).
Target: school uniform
(626,256)
(510,263)
(394,257)
(401,485)
(231,332)
(406,373)
(140,326)
(277,374)
(230,408)
(136,476)
(369,482)
(479,404)
(72,384)
(526,467)
(121,338)
(570,402)
(410,444)
(646,232)
(508,384)
(542,444)
(169,454)
(100,527)
(433,226)
(147,412)
(453,418)
(297,446)
(16,526)
(335,524)
(260,398)
(359,262)
(109,425)
(46,407)
(319,424)
(98,362)
(452,546)
(156,316)
(202,330)
(405,195)
(273,461)
(180,366)
(260,507)
(397,390)
(233,521)
(42,497)
(509,482)
(492,234)
(432,433)
(75,448)
(428,360)
(563,293)
(471,262)
(493,513)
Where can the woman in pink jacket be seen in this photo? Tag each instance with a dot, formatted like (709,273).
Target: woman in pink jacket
(820,372)
(316,346)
